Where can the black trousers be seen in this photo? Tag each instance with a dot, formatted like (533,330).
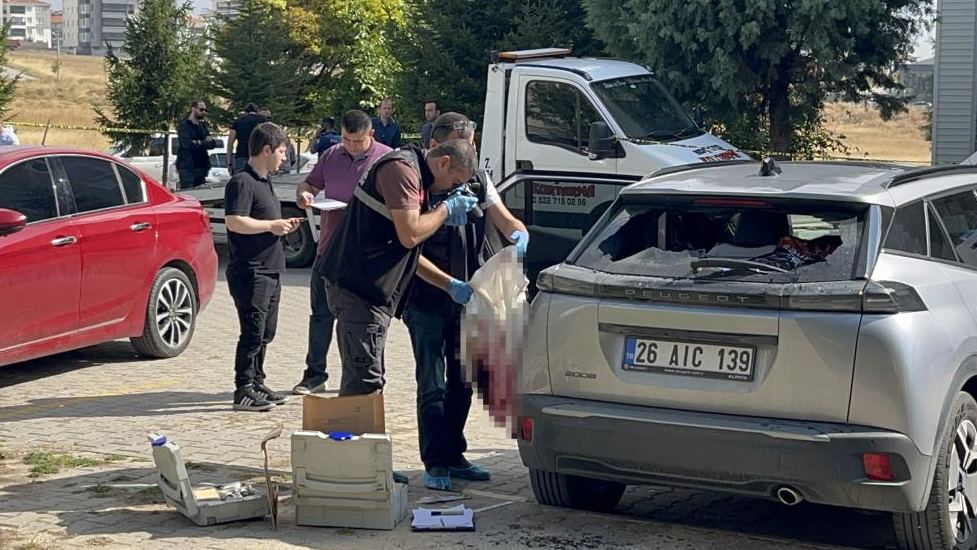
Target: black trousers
(256,297)
(321,323)
(443,396)
(361,332)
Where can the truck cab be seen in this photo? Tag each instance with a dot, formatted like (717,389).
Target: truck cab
(547,111)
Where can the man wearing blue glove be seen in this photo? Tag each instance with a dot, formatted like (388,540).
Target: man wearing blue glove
(373,255)
(433,318)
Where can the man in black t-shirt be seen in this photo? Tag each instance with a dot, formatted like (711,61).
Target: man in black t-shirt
(253,216)
(240,133)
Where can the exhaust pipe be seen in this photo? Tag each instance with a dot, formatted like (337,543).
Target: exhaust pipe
(788,496)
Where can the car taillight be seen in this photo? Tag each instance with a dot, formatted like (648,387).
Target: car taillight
(551,280)
(854,297)
(878,466)
(526,429)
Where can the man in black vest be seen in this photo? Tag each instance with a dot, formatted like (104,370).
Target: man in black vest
(372,257)
(433,318)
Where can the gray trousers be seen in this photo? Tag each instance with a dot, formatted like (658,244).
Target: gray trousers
(361,332)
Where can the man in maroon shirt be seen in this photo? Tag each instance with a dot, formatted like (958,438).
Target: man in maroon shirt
(337,173)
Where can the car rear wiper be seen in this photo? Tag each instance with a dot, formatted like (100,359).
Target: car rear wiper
(736,263)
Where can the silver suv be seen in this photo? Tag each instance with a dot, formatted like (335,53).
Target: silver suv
(800,332)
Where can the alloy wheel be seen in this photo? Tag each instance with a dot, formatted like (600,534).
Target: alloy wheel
(174,313)
(962,480)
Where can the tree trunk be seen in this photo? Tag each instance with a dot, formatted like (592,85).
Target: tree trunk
(780,119)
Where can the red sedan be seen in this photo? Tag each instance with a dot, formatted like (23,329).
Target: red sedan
(92,250)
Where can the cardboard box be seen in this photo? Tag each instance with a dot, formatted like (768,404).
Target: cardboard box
(357,414)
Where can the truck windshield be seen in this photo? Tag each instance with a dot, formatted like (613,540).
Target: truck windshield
(645,110)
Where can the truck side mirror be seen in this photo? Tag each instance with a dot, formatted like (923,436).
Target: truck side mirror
(600,141)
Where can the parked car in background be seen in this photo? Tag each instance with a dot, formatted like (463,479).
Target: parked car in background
(802,332)
(149,159)
(93,250)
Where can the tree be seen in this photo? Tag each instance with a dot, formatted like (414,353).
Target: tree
(763,68)
(8,84)
(352,42)
(447,54)
(255,60)
(158,75)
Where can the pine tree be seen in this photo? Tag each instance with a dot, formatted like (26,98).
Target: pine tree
(159,72)
(8,84)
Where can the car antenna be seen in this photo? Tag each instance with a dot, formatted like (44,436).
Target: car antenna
(768,167)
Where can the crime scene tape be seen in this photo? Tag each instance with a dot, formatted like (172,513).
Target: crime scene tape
(89,128)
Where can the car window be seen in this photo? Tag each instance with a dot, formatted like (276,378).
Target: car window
(93,183)
(27,188)
(959,215)
(939,244)
(752,239)
(907,232)
(131,184)
(558,114)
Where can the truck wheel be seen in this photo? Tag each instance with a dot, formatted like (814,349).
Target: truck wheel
(948,522)
(568,491)
(171,316)
(300,248)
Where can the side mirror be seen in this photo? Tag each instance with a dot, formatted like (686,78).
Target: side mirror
(11,222)
(600,140)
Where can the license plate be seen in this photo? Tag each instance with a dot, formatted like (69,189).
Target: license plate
(689,358)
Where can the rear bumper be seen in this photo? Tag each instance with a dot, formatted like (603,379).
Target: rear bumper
(734,454)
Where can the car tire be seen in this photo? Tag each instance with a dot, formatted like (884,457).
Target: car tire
(569,491)
(940,526)
(300,247)
(171,316)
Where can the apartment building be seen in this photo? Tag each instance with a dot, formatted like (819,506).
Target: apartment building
(226,8)
(30,21)
(91,24)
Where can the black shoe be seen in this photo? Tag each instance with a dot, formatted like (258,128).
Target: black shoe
(270,395)
(249,399)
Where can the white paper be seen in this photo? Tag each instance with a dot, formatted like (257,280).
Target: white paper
(322,203)
(457,517)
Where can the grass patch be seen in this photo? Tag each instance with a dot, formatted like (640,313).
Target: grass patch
(148,495)
(114,458)
(100,489)
(200,467)
(47,462)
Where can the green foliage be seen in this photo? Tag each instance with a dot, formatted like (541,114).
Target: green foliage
(765,66)
(8,84)
(158,73)
(447,52)
(254,60)
(46,462)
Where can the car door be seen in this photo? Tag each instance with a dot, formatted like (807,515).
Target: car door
(117,229)
(554,128)
(40,266)
(558,210)
(957,218)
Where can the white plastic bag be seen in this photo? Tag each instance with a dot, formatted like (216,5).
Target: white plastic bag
(492,331)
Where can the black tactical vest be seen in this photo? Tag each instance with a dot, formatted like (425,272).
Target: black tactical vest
(365,256)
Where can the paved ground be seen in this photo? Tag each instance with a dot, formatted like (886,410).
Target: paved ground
(99,403)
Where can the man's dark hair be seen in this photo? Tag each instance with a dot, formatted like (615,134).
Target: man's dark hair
(461,152)
(449,122)
(356,121)
(195,103)
(266,133)
(437,106)
(250,108)
(328,123)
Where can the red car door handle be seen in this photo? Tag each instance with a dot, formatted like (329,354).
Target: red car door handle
(140,226)
(64,241)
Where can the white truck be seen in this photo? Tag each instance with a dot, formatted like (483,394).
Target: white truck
(150,159)
(561,137)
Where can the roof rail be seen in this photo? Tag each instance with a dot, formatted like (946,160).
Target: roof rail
(921,173)
(696,166)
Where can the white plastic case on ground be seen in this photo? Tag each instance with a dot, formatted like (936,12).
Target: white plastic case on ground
(346,483)
(203,505)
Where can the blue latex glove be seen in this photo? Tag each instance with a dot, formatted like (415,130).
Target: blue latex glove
(458,206)
(521,240)
(460,291)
